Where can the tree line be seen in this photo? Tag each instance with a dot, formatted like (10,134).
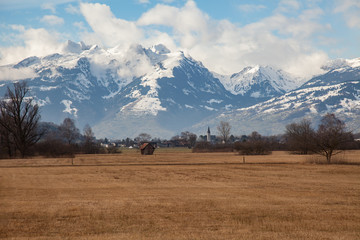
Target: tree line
(22,134)
(329,139)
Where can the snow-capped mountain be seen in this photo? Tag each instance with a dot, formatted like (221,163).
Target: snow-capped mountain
(338,71)
(337,91)
(176,94)
(259,82)
(122,92)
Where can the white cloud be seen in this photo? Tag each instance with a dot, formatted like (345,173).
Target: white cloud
(14,74)
(301,26)
(155,37)
(134,64)
(345,5)
(280,40)
(350,10)
(226,48)
(189,23)
(72,9)
(353,20)
(22,4)
(19,28)
(36,42)
(143,1)
(250,7)
(52,20)
(49,6)
(107,28)
(80,26)
(288,5)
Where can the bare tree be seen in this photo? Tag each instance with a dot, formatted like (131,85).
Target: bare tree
(192,139)
(189,137)
(88,133)
(300,137)
(19,119)
(69,131)
(330,136)
(7,143)
(224,131)
(143,137)
(89,144)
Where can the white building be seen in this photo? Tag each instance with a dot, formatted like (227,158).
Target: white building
(208,136)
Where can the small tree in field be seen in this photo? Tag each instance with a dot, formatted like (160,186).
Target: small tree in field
(330,136)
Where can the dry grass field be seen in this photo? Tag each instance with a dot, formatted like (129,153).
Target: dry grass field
(180,195)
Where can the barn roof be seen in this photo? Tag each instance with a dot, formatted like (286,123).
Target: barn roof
(144,145)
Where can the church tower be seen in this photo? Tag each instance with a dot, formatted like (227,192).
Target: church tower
(208,136)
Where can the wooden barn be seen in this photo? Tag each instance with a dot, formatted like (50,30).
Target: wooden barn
(147,149)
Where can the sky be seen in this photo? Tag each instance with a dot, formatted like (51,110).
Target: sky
(298,36)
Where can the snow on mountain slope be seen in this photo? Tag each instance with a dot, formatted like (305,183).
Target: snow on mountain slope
(179,92)
(81,81)
(259,82)
(108,87)
(124,92)
(341,70)
(148,102)
(112,68)
(335,91)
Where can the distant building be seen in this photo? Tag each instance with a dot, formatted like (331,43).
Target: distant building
(208,136)
(147,149)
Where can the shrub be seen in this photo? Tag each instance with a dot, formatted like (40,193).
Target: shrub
(252,148)
(208,147)
(55,148)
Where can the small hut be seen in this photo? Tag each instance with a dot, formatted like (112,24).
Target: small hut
(147,149)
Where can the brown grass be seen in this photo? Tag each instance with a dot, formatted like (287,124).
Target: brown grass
(179,195)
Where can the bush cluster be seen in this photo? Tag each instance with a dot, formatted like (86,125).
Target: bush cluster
(208,147)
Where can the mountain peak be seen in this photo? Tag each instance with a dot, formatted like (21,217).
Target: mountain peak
(259,81)
(125,90)
(27,62)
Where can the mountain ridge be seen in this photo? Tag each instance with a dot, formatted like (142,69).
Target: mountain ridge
(337,91)
(124,92)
